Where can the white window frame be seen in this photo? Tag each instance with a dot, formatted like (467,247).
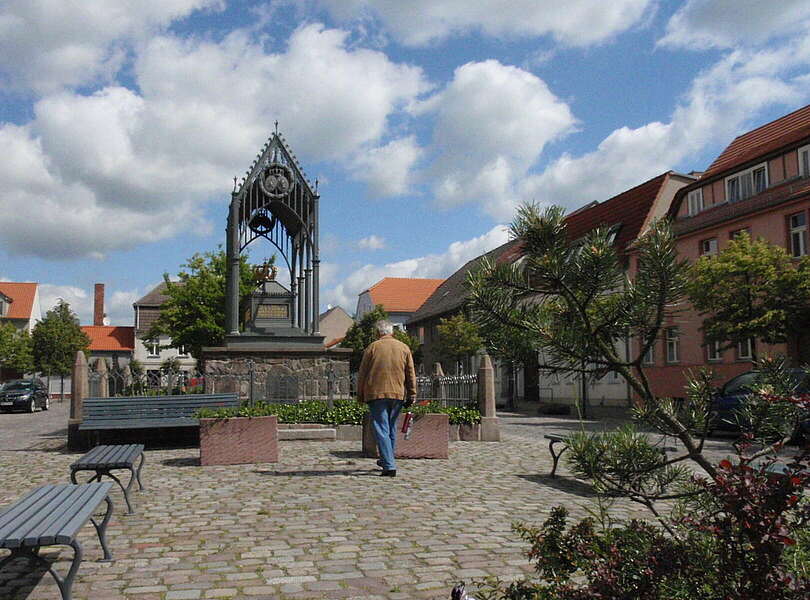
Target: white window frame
(713,352)
(745,352)
(151,345)
(804,161)
(707,248)
(649,355)
(694,202)
(673,344)
(744,183)
(2,308)
(798,235)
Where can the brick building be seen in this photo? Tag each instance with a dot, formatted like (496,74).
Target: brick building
(760,184)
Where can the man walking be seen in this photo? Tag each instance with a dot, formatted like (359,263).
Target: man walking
(387,382)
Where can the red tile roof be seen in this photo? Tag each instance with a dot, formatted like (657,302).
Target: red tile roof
(402,294)
(770,137)
(22,296)
(629,210)
(110,338)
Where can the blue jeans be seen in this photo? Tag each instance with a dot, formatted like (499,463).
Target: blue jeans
(384,413)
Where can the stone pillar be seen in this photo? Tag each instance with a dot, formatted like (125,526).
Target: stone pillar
(78,392)
(490,430)
(103,378)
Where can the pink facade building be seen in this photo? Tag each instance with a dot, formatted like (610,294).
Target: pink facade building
(759,184)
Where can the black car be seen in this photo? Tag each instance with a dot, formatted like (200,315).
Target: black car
(729,398)
(24,394)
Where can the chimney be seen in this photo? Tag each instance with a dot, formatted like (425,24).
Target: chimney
(98,305)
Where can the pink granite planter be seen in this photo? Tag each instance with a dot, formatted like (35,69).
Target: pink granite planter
(429,437)
(238,440)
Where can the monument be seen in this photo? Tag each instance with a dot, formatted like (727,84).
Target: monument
(277,336)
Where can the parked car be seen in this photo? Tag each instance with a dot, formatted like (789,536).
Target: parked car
(24,394)
(730,396)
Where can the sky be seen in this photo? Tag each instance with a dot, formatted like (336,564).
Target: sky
(426,123)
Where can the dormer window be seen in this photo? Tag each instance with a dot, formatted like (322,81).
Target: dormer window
(3,307)
(694,201)
(804,161)
(747,183)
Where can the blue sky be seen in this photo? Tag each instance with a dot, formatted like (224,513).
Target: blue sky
(123,122)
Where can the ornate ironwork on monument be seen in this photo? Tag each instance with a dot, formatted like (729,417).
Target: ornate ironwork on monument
(276,202)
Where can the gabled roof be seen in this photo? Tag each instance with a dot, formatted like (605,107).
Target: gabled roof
(110,338)
(22,298)
(627,211)
(770,137)
(334,309)
(157,296)
(452,292)
(402,294)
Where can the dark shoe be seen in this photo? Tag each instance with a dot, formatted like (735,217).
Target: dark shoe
(380,463)
(387,473)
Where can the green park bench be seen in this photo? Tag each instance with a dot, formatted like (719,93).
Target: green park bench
(52,515)
(148,412)
(104,459)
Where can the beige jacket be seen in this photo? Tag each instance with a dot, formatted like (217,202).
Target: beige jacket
(386,371)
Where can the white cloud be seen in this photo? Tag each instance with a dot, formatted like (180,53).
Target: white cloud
(372,242)
(80,300)
(47,44)
(574,23)
(721,103)
(115,168)
(388,169)
(492,123)
(701,24)
(428,266)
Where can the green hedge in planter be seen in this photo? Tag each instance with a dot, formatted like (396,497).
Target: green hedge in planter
(345,412)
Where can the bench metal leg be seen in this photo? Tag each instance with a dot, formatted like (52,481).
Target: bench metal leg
(65,583)
(101,530)
(138,472)
(108,473)
(124,489)
(556,456)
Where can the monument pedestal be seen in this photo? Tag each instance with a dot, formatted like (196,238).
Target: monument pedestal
(278,372)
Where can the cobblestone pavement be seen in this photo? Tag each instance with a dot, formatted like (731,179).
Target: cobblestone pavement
(319,523)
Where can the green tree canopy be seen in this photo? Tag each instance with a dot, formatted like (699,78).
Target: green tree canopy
(459,338)
(362,333)
(56,339)
(193,315)
(16,349)
(751,290)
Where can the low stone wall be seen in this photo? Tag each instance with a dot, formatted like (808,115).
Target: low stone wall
(430,437)
(238,440)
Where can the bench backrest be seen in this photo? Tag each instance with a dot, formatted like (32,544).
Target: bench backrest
(153,407)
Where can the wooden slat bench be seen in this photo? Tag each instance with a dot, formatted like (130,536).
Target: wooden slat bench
(52,515)
(557,438)
(148,412)
(103,459)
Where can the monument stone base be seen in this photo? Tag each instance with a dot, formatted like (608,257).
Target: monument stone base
(278,372)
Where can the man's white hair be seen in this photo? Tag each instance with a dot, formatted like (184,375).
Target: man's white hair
(384,327)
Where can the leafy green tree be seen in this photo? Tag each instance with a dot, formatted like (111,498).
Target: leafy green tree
(16,349)
(751,290)
(193,315)
(459,338)
(56,339)
(574,303)
(362,333)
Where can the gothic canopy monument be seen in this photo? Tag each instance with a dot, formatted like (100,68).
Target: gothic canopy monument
(276,203)
(278,353)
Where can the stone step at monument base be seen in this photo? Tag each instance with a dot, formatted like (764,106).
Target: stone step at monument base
(308,433)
